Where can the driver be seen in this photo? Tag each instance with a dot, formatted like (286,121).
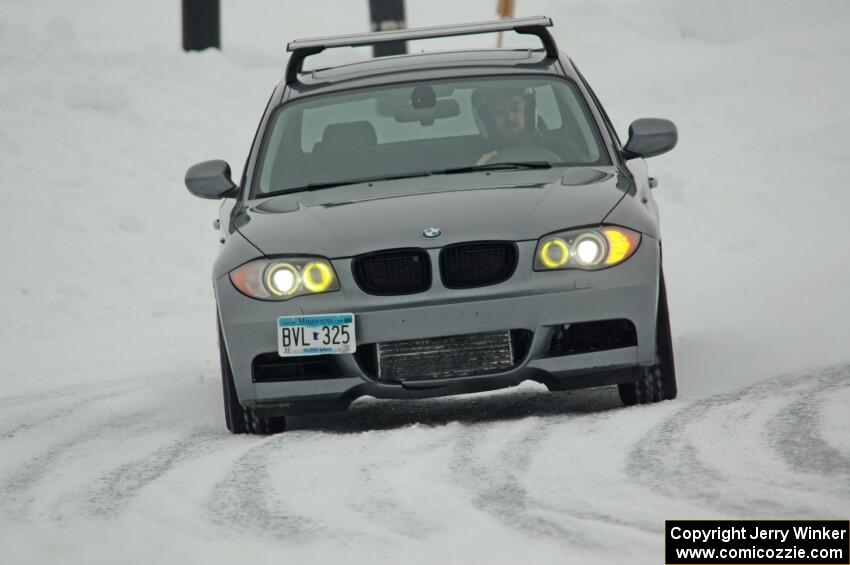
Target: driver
(505,117)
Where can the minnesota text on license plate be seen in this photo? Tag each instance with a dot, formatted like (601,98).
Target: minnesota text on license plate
(316,335)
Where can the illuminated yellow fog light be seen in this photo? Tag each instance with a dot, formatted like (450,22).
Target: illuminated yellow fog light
(554,253)
(317,276)
(282,279)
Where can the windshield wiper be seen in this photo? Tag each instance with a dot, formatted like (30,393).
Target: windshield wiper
(320,185)
(514,166)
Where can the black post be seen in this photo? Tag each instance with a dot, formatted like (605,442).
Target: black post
(387,15)
(201,25)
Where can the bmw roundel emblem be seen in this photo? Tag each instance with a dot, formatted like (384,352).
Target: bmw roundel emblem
(431,233)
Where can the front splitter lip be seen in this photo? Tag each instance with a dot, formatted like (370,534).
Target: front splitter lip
(598,369)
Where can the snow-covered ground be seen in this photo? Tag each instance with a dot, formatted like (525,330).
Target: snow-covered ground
(110,428)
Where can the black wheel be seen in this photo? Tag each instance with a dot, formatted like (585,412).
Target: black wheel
(657,382)
(241,420)
(264,425)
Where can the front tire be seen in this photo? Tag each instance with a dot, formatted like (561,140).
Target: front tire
(657,382)
(241,420)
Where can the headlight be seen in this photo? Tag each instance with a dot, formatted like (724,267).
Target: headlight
(588,249)
(284,278)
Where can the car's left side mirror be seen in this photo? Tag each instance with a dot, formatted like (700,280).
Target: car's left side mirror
(210,179)
(649,137)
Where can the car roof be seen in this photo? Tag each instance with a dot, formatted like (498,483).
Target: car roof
(423,66)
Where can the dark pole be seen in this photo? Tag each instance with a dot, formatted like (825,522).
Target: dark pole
(201,25)
(388,15)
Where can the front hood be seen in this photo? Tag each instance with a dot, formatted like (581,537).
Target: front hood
(503,205)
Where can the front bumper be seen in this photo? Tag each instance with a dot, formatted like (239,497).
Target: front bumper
(536,301)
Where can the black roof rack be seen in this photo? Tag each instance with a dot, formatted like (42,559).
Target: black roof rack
(303,48)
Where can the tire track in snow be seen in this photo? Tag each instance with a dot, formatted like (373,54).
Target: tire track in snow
(498,491)
(112,492)
(37,421)
(501,493)
(668,459)
(474,415)
(795,435)
(673,470)
(63,392)
(379,503)
(20,489)
(241,501)
(107,494)
(577,507)
(485,468)
(564,524)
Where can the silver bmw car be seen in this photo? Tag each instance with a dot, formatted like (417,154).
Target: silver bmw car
(435,224)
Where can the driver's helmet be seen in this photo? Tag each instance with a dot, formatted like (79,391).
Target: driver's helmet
(486,99)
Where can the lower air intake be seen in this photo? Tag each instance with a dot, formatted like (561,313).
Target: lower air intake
(451,356)
(587,337)
(271,367)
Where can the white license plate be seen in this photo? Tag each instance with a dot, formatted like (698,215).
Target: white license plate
(316,335)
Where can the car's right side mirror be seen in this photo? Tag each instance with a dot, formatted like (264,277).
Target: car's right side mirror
(649,137)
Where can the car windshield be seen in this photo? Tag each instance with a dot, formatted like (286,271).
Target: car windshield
(441,126)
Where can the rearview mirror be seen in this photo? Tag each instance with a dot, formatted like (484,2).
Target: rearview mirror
(649,137)
(441,109)
(210,179)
